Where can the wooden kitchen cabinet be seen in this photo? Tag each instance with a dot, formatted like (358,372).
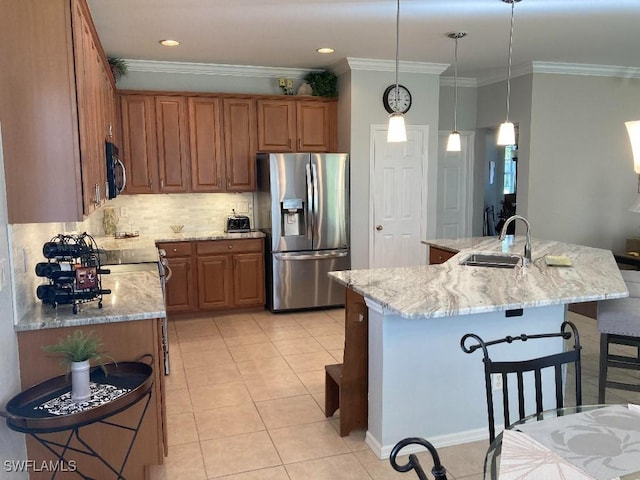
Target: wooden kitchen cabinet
(240,139)
(139,153)
(54,144)
(230,273)
(124,342)
(439,255)
(172,139)
(182,286)
(296,126)
(205,132)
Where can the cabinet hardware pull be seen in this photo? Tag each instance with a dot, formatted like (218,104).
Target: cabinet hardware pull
(230,247)
(162,183)
(299,144)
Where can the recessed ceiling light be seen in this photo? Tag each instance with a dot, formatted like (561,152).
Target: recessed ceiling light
(325,50)
(169,43)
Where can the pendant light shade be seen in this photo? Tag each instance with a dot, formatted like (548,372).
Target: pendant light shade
(454,144)
(397,131)
(633,129)
(507,134)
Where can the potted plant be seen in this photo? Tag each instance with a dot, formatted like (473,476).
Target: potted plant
(77,351)
(118,67)
(323,84)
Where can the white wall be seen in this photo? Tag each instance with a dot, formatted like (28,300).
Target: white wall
(366,110)
(581,178)
(12,444)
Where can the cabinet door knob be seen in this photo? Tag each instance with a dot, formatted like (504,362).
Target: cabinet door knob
(379,227)
(230,247)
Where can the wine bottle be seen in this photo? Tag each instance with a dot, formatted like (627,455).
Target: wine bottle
(50,294)
(64,250)
(61,272)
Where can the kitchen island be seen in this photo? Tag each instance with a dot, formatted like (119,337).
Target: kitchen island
(420,381)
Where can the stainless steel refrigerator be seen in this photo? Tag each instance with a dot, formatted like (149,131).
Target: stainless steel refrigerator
(302,205)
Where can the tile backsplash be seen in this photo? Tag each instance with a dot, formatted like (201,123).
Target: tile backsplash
(147,214)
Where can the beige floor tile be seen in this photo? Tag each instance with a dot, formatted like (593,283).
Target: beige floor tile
(268,321)
(312,316)
(196,328)
(213,374)
(202,344)
(242,353)
(215,396)
(337,467)
(273,473)
(338,355)
(336,313)
(313,380)
(322,330)
(381,469)
(181,428)
(244,318)
(268,387)
(298,345)
(176,380)
(355,439)
(265,366)
(228,421)
(178,401)
(286,333)
(304,362)
(284,412)
(207,358)
(185,462)
(464,459)
(240,453)
(307,442)
(247,339)
(331,342)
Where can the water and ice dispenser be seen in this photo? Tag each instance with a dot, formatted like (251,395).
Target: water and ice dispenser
(292,217)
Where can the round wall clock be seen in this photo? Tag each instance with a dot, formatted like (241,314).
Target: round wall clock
(401,104)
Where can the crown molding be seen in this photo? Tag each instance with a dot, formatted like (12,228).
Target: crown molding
(462,82)
(371,64)
(156,66)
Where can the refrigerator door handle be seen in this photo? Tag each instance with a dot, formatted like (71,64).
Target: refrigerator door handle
(306,256)
(310,204)
(316,204)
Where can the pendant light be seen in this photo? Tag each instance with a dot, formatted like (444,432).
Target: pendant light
(633,129)
(396,131)
(507,133)
(454,144)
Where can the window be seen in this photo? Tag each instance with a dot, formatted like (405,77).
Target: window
(510,163)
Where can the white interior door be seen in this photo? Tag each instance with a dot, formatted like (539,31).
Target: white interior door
(398,196)
(454,188)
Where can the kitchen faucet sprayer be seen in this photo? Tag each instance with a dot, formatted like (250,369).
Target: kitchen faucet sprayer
(527,247)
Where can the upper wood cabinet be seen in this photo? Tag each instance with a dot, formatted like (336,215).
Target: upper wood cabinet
(139,152)
(240,144)
(296,126)
(205,130)
(172,143)
(55,110)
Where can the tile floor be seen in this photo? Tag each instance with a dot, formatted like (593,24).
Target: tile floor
(246,393)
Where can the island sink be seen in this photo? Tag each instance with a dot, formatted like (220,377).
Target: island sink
(491,260)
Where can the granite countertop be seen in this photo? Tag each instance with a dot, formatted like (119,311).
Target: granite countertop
(150,239)
(135,295)
(449,289)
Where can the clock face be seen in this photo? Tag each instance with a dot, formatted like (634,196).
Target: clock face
(396,103)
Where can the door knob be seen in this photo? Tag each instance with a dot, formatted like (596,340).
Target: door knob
(379,227)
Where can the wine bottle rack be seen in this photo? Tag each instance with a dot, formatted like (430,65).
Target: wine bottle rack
(73,271)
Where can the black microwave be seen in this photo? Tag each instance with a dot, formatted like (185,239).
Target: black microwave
(116,175)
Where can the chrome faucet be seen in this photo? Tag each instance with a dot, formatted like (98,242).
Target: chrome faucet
(527,247)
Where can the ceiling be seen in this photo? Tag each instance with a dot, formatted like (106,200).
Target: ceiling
(285,33)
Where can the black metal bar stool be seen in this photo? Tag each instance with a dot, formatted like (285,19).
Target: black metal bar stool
(619,324)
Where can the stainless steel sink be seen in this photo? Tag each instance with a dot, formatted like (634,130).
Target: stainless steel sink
(491,260)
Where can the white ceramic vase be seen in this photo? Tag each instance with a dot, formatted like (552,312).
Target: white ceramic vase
(80,390)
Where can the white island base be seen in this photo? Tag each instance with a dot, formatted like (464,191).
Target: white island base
(421,383)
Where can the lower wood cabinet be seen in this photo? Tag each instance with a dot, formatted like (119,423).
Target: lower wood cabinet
(439,255)
(215,274)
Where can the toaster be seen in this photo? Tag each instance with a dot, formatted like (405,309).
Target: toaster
(237,223)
